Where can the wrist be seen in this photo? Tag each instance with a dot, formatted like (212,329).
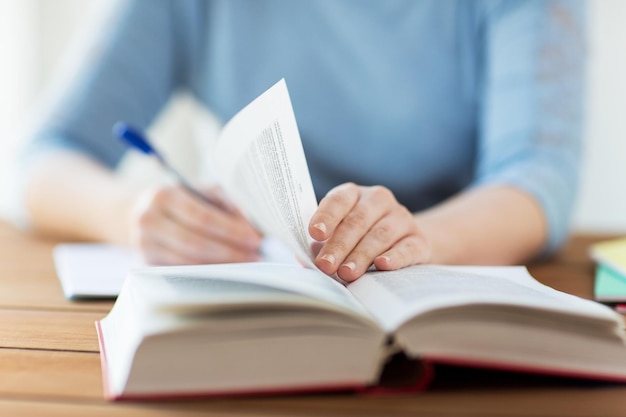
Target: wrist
(116,218)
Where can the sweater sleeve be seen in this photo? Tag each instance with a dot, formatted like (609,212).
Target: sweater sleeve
(129,70)
(532,104)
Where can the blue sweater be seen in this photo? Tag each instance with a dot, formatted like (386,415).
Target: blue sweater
(427,98)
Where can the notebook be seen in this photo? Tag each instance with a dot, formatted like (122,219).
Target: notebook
(98,270)
(610,282)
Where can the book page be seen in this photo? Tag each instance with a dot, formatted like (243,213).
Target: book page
(259,161)
(394,297)
(203,287)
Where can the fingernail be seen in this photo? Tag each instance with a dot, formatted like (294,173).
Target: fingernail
(386,258)
(350,265)
(321,227)
(328,258)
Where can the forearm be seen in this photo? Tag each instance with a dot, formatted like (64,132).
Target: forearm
(73,197)
(486,225)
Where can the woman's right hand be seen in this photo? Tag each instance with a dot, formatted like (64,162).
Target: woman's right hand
(172,227)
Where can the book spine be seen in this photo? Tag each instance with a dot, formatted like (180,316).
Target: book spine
(423,382)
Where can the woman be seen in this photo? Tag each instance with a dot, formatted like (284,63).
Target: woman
(435,132)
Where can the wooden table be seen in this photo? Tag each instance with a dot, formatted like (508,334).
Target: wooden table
(49,362)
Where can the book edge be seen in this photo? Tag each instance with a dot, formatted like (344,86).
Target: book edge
(361,389)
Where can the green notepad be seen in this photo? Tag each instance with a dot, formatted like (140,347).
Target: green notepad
(610,286)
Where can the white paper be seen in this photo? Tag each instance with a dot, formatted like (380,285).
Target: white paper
(259,161)
(98,270)
(93,270)
(205,287)
(396,296)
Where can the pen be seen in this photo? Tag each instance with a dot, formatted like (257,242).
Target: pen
(134,138)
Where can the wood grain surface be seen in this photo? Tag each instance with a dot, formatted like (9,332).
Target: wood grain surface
(49,362)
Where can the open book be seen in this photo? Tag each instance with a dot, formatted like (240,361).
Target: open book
(272,328)
(275,328)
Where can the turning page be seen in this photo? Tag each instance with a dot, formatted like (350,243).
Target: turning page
(259,161)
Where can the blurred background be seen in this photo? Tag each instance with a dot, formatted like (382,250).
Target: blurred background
(35,35)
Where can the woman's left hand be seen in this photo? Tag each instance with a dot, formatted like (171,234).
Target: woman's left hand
(361,226)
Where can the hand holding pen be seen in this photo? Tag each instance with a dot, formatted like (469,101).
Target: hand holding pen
(181,225)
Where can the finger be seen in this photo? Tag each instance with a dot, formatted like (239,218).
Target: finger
(375,203)
(316,247)
(172,244)
(218,197)
(156,254)
(411,250)
(211,221)
(379,239)
(332,209)
(154,227)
